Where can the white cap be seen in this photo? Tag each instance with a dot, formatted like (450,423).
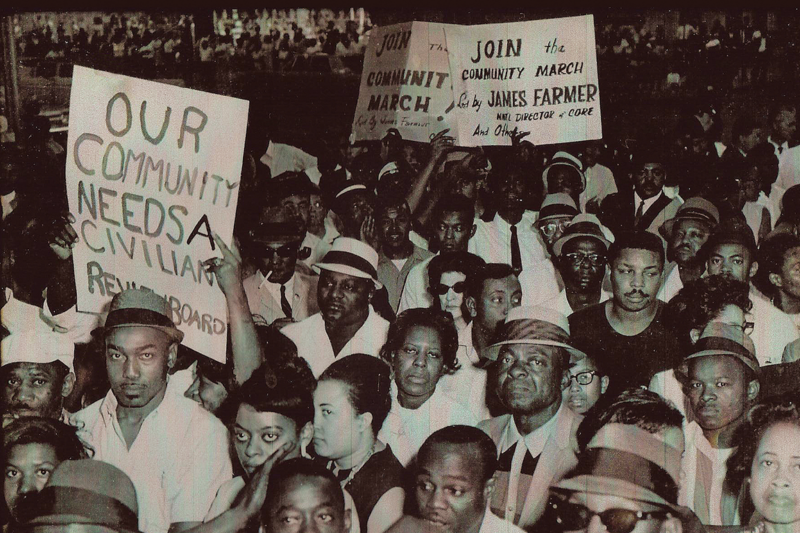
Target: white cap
(38,345)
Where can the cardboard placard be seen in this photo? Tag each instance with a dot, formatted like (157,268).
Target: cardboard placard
(152,172)
(538,76)
(405,83)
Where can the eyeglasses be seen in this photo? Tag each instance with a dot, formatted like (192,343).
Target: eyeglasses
(577,258)
(747,328)
(550,228)
(584,378)
(441,289)
(575,517)
(285,251)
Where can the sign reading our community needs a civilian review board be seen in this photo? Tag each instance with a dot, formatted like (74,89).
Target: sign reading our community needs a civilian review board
(152,172)
(538,76)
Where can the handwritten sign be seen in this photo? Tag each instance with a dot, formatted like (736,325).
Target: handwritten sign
(538,76)
(405,83)
(152,172)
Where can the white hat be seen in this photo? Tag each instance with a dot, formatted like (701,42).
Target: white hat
(568,160)
(351,257)
(38,345)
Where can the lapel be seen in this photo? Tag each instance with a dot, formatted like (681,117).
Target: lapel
(652,212)
(557,458)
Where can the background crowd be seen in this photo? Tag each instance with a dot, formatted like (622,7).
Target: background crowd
(425,337)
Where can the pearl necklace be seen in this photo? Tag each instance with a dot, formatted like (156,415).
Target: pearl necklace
(355,469)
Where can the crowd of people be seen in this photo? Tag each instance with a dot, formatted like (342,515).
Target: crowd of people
(425,337)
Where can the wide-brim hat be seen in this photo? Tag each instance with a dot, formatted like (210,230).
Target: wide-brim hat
(695,208)
(532,325)
(274,225)
(628,462)
(568,160)
(725,339)
(40,345)
(351,257)
(140,308)
(86,491)
(288,184)
(584,225)
(557,205)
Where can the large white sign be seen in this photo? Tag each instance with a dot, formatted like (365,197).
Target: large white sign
(538,76)
(153,171)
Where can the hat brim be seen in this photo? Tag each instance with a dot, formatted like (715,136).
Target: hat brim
(492,352)
(612,487)
(345,269)
(666,227)
(174,333)
(546,172)
(751,364)
(69,519)
(565,239)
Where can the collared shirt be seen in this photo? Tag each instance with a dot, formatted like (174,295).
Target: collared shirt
(492,241)
(468,383)
(405,430)
(177,463)
(672,282)
(540,283)
(495,524)
(561,304)
(314,346)
(394,279)
(274,289)
(599,184)
(313,243)
(264,298)
(415,292)
(772,329)
(647,203)
(508,503)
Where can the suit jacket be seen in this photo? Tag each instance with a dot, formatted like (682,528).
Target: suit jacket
(557,459)
(263,304)
(618,212)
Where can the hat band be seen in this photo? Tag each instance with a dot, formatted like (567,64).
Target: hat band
(557,210)
(693,212)
(138,317)
(351,260)
(722,344)
(629,467)
(99,509)
(527,329)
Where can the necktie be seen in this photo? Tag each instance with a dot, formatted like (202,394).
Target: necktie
(639,213)
(285,307)
(516,256)
(780,149)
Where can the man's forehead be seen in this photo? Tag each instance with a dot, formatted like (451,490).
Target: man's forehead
(652,166)
(454,217)
(448,459)
(716,365)
(690,223)
(649,258)
(529,350)
(507,284)
(295,198)
(731,250)
(138,335)
(582,243)
(340,276)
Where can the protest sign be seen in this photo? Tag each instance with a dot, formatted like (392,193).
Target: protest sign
(152,172)
(405,83)
(538,76)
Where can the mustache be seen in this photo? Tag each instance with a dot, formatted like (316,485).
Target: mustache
(636,293)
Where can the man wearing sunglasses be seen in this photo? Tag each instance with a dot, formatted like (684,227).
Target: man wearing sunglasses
(292,192)
(722,384)
(279,292)
(543,282)
(581,253)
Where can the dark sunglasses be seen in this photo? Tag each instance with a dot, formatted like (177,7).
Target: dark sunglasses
(576,517)
(285,251)
(441,289)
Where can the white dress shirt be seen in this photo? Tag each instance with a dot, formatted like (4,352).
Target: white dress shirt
(772,329)
(540,283)
(492,241)
(314,346)
(599,184)
(177,463)
(274,289)
(697,445)
(495,524)
(672,282)
(468,383)
(415,292)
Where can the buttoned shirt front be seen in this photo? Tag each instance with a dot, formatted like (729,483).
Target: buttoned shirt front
(274,289)
(492,241)
(468,383)
(314,345)
(177,462)
(394,279)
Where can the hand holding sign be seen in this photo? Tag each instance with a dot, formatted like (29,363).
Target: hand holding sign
(64,238)
(441,144)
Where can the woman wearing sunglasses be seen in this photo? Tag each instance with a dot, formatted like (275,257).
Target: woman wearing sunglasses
(421,348)
(765,465)
(448,276)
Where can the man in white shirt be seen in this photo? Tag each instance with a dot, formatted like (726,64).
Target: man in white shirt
(510,237)
(292,192)
(582,262)
(174,451)
(346,323)
(731,252)
(535,440)
(599,179)
(453,224)
(279,290)
(723,383)
(685,234)
(782,130)
(455,480)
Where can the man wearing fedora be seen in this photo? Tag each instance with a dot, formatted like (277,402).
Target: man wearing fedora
(280,290)
(291,191)
(535,440)
(581,253)
(174,451)
(543,282)
(510,237)
(647,206)
(722,383)
(346,323)
(564,174)
(686,233)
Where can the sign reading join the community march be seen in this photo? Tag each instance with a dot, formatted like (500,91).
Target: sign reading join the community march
(405,83)
(152,172)
(538,76)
